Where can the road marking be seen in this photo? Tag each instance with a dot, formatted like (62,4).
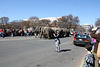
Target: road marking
(16,39)
(65,43)
(80,62)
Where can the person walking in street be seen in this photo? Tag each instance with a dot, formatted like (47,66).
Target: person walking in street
(57,42)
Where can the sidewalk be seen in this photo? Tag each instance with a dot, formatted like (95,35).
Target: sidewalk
(16,38)
(80,62)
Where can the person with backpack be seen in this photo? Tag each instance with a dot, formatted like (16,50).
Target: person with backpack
(89,60)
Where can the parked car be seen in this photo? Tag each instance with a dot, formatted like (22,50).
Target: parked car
(82,39)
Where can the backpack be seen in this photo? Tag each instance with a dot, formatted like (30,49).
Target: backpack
(89,60)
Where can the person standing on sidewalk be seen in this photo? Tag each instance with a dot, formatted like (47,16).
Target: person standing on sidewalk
(57,42)
(96,34)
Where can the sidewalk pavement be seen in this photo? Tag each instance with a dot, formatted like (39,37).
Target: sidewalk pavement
(80,62)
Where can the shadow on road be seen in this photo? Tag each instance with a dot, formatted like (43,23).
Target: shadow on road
(80,45)
(65,50)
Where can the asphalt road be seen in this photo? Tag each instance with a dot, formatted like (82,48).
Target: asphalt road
(35,52)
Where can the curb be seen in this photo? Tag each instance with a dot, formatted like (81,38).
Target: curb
(80,62)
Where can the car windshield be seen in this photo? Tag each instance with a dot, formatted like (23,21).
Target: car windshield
(82,36)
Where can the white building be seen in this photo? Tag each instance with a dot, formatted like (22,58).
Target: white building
(47,18)
(51,18)
(88,27)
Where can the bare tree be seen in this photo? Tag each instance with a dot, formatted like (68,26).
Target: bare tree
(69,22)
(62,22)
(75,22)
(45,22)
(34,22)
(25,24)
(54,23)
(16,24)
(80,29)
(33,18)
(66,21)
(97,23)
(1,26)
(4,20)
(8,26)
(0,21)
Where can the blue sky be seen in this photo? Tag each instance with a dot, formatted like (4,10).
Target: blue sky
(87,10)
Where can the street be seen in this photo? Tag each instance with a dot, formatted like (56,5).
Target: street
(35,52)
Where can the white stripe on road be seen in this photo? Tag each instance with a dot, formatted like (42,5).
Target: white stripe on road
(64,43)
(15,39)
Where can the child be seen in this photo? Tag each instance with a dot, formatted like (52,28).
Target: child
(89,58)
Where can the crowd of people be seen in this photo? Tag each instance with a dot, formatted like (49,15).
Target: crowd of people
(15,32)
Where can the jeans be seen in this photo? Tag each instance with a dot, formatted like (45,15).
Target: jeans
(2,35)
(57,46)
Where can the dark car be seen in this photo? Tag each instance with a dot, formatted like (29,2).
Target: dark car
(82,39)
